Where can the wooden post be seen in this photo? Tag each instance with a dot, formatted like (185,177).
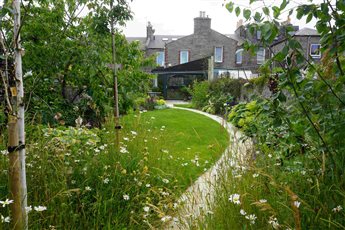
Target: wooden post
(116,94)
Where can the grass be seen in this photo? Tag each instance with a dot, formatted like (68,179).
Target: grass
(87,183)
(277,190)
(188,106)
(189,143)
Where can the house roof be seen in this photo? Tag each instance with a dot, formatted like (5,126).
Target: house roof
(235,37)
(158,41)
(141,40)
(307,32)
(199,65)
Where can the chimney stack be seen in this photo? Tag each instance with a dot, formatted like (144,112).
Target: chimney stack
(149,31)
(202,23)
(239,23)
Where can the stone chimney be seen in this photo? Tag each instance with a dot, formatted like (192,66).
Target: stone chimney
(202,23)
(239,23)
(149,31)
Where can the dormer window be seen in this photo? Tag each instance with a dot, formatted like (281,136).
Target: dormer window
(238,56)
(218,54)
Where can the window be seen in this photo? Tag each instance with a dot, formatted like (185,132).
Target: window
(160,58)
(260,56)
(238,56)
(315,50)
(184,56)
(218,54)
(258,34)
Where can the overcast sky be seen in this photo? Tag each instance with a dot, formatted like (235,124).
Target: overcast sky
(175,17)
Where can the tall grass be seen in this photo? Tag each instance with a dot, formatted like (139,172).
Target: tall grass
(277,192)
(86,183)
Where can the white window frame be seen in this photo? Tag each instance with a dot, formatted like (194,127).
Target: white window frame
(260,59)
(163,61)
(315,55)
(221,54)
(181,55)
(239,52)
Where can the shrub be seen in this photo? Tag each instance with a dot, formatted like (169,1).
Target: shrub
(200,94)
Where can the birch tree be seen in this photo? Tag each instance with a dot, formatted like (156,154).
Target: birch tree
(12,81)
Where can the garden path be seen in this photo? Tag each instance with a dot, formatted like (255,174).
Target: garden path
(197,201)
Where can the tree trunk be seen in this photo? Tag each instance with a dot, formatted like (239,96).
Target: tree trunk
(20,126)
(116,94)
(18,220)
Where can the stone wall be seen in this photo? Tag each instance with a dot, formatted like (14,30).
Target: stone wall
(202,45)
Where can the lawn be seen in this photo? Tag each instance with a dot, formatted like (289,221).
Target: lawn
(187,143)
(86,182)
(189,105)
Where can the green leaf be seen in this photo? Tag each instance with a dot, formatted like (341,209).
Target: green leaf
(266,31)
(230,7)
(276,11)
(238,11)
(300,13)
(283,5)
(266,11)
(281,96)
(246,14)
(294,44)
(309,18)
(280,56)
(257,17)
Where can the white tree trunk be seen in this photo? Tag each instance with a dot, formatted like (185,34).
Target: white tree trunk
(20,104)
(116,92)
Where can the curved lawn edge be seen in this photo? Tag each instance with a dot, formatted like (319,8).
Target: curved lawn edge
(199,197)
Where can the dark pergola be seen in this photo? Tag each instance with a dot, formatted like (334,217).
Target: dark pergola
(197,69)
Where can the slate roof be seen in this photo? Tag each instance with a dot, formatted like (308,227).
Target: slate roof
(307,32)
(141,40)
(158,42)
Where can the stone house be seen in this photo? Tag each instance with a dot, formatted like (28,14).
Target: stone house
(208,54)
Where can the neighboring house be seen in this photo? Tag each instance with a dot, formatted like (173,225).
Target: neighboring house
(309,40)
(208,54)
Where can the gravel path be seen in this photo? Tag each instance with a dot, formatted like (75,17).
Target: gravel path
(197,200)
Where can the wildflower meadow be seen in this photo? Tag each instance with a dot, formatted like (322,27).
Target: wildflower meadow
(78,178)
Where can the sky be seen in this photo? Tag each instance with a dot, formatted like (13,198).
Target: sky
(175,17)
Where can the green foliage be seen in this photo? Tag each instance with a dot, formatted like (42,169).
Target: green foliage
(243,116)
(298,133)
(68,56)
(215,97)
(199,94)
